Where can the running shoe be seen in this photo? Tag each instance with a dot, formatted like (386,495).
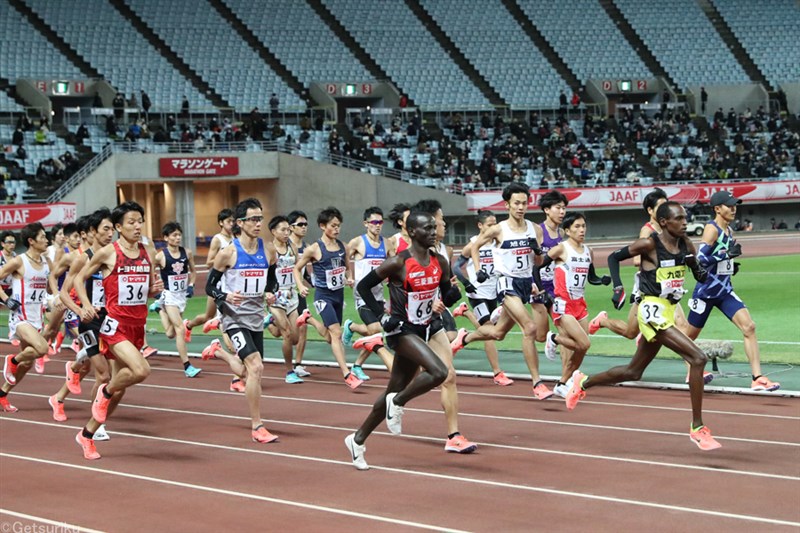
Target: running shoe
(352,381)
(210,351)
(561,390)
(461,309)
(292,378)
(458,343)
(394,415)
(301,371)
(550,350)
(211,325)
(100,404)
(260,434)
(576,392)
(347,333)
(9,369)
(702,437)
(268,319)
(360,374)
(369,343)
(6,405)
(191,371)
(763,383)
(15,342)
(639,339)
(459,444)
(38,365)
(155,307)
(496,314)
(303,318)
(148,351)
(237,385)
(87,445)
(75,346)
(81,355)
(101,433)
(58,409)
(594,325)
(501,379)
(73,379)
(51,351)
(540,391)
(187,331)
(357,452)
(708,377)
(58,341)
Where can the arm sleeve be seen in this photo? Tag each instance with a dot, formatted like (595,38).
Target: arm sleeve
(593,279)
(450,293)
(365,291)
(457,269)
(707,257)
(613,264)
(214,277)
(272,279)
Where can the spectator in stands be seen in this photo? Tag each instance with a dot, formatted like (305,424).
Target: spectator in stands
(575,100)
(562,102)
(274,103)
(185,107)
(146,103)
(416,166)
(703,100)
(24,124)
(773,224)
(22,153)
(111,127)
(132,102)
(81,134)
(18,137)
(403,101)
(277,130)
(119,105)
(782,225)
(97,102)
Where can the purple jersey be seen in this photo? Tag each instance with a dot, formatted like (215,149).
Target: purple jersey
(548,273)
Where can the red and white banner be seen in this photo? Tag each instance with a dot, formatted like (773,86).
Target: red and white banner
(630,197)
(193,167)
(15,217)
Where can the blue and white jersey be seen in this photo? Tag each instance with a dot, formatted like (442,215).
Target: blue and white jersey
(249,277)
(513,257)
(720,268)
(175,274)
(373,258)
(329,271)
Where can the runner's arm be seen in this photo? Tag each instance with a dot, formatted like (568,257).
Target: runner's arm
(391,266)
(450,293)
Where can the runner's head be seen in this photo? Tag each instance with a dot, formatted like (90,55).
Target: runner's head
(422,228)
(672,218)
(34,237)
(486,219)
(516,197)
(574,226)
(299,223)
(554,204)
(172,233)
(72,235)
(128,219)
(433,208)
(225,220)
(398,215)
(373,220)
(249,216)
(724,205)
(57,235)
(8,240)
(652,200)
(330,222)
(100,226)
(279,227)
(83,229)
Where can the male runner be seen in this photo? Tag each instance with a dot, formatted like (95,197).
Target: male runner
(128,280)
(717,253)
(8,243)
(298,223)
(661,280)
(400,240)
(549,234)
(57,241)
(248,268)
(417,277)
(515,244)
(73,246)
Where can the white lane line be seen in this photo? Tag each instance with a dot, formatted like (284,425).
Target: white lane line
(59,526)
(497,484)
(235,494)
(436,439)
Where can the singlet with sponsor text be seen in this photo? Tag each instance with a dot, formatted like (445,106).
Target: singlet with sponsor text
(175,273)
(718,283)
(570,276)
(329,271)
(94,286)
(284,267)
(248,276)
(667,279)
(30,290)
(412,300)
(126,287)
(548,242)
(488,289)
(373,258)
(513,256)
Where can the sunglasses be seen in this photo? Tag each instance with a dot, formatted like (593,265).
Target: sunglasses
(375,222)
(254,219)
(301,224)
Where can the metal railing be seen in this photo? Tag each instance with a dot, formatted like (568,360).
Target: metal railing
(81,174)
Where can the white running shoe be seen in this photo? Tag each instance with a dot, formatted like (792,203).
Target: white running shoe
(550,350)
(301,371)
(496,314)
(394,415)
(101,434)
(561,390)
(356,452)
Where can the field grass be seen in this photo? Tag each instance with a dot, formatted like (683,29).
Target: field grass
(770,286)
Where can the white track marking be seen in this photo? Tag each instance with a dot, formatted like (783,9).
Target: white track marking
(59,526)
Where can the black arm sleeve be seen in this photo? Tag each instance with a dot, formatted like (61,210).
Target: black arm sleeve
(457,269)
(364,289)
(593,279)
(272,279)
(613,264)
(450,293)
(537,276)
(212,289)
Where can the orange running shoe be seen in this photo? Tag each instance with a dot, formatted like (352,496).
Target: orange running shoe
(15,342)
(211,325)
(576,392)
(352,381)
(210,351)
(501,379)
(59,340)
(148,351)
(763,383)
(459,444)
(458,343)
(237,385)
(540,391)
(260,434)
(369,342)
(87,445)
(187,333)
(6,405)
(58,409)
(100,404)
(702,437)
(38,365)
(73,379)
(303,318)
(9,370)
(461,309)
(594,325)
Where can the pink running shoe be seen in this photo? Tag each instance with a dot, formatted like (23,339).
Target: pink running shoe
(210,351)
(461,309)
(352,381)
(9,370)
(594,325)
(576,392)
(38,365)
(459,444)
(540,391)
(58,409)
(211,325)
(369,342)
(303,318)
(187,331)
(75,346)
(87,445)
(501,379)
(148,351)
(73,379)
(100,404)
(458,343)
(260,434)
(237,385)
(763,383)
(702,437)
(15,342)
(6,405)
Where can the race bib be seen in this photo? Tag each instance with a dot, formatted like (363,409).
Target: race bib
(334,278)
(88,339)
(652,312)
(253,282)
(578,278)
(285,277)
(547,273)
(520,263)
(673,288)
(725,268)
(420,306)
(70,316)
(487,265)
(697,305)
(109,326)
(504,284)
(98,293)
(177,282)
(133,289)
(559,306)
(238,341)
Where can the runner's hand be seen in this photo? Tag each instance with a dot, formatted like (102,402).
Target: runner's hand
(618,299)
(390,323)
(13,304)
(481,276)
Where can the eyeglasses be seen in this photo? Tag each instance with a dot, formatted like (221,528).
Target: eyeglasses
(300,224)
(375,222)
(255,219)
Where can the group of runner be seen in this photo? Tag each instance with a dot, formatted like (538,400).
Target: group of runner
(514,272)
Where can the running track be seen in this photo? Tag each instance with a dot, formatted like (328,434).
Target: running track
(180,458)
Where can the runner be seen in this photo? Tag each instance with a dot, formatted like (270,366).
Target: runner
(717,254)
(29,285)
(482,296)
(398,215)
(661,281)
(178,276)
(64,256)
(57,242)
(367,252)
(128,279)
(417,276)
(332,271)
(298,223)
(248,269)
(515,244)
